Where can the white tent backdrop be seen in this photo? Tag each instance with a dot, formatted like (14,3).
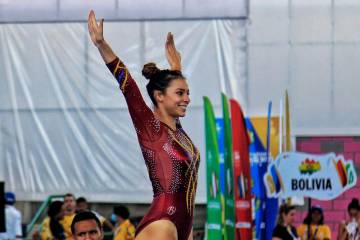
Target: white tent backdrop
(64,123)
(77,10)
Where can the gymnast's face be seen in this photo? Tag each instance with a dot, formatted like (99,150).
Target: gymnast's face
(175,98)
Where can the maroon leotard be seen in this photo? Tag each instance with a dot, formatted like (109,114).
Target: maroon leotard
(170,156)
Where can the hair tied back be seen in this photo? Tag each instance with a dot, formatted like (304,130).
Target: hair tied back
(150,70)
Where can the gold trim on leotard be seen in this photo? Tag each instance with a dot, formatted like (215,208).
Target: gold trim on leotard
(191,187)
(118,67)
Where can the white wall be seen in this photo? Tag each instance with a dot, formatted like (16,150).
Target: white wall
(312,49)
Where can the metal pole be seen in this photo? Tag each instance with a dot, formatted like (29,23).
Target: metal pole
(309,223)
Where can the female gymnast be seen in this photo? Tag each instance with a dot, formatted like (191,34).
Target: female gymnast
(170,156)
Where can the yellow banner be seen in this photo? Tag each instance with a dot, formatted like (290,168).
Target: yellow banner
(260,125)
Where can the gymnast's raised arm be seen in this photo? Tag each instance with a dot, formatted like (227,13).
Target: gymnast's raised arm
(140,113)
(97,37)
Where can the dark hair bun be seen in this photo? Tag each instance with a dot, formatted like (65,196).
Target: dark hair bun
(150,70)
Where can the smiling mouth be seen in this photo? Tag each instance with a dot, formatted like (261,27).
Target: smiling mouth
(183,107)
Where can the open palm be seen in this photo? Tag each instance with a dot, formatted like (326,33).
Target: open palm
(95,29)
(172,55)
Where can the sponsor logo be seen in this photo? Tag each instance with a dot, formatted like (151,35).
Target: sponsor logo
(243,225)
(214,226)
(214,205)
(228,222)
(242,204)
(171,210)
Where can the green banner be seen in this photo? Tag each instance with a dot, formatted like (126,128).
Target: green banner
(213,210)
(229,233)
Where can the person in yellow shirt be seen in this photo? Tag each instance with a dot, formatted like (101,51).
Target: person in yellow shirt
(69,208)
(51,227)
(124,229)
(319,230)
(44,230)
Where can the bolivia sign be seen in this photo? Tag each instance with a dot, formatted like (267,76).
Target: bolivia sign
(322,177)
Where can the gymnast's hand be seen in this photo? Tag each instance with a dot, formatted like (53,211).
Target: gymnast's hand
(95,29)
(97,37)
(172,55)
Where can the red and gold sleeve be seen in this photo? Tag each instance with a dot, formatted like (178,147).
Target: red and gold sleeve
(141,115)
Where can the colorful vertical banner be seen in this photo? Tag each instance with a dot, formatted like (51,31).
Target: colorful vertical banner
(221,144)
(259,133)
(220,138)
(260,125)
(242,178)
(271,203)
(257,165)
(286,138)
(213,210)
(287,141)
(229,178)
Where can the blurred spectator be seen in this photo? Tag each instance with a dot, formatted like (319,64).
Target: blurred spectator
(69,204)
(314,220)
(349,229)
(284,230)
(69,208)
(51,227)
(12,218)
(82,205)
(124,229)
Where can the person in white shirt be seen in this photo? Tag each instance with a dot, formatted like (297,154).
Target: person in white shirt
(12,218)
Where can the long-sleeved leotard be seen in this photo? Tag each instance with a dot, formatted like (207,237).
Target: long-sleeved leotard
(170,156)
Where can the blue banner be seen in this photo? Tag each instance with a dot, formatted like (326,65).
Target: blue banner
(271,204)
(258,160)
(220,134)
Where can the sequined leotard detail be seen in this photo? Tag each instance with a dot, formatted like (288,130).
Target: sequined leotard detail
(170,156)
